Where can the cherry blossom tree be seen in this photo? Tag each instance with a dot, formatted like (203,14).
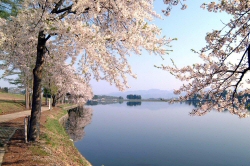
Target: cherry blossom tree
(101,33)
(63,79)
(170,4)
(226,63)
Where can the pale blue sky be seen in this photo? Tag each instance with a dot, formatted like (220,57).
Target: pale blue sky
(189,26)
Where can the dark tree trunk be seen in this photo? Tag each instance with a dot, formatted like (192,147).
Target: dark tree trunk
(46,100)
(34,129)
(248,54)
(54,100)
(30,100)
(27,102)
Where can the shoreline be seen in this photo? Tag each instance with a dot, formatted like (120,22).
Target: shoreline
(53,148)
(62,119)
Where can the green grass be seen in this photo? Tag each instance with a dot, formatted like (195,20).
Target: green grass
(11,96)
(11,102)
(57,137)
(54,126)
(65,105)
(8,106)
(38,151)
(47,139)
(56,133)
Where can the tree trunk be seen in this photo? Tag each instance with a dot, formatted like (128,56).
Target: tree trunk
(248,54)
(27,97)
(46,99)
(34,129)
(54,100)
(30,100)
(27,102)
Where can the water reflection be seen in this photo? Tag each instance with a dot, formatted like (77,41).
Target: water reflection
(194,103)
(197,103)
(78,119)
(92,102)
(159,133)
(133,103)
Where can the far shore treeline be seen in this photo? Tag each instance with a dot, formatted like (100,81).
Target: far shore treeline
(138,97)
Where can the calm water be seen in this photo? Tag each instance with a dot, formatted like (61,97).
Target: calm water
(159,134)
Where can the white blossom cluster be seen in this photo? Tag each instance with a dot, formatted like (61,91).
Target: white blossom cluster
(97,35)
(218,73)
(171,3)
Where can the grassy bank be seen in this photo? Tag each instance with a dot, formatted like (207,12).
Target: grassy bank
(10,103)
(56,144)
(54,147)
(9,96)
(7,106)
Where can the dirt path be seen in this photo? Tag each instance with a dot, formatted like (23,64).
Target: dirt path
(8,117)
(8,129)
(44,152)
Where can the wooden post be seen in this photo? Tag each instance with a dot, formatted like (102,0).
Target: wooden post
(25,129)
(49,104)
(27,97)
(28,126)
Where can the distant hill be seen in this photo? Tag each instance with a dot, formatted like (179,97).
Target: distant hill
(146,94)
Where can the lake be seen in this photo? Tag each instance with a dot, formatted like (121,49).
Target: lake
(159,134)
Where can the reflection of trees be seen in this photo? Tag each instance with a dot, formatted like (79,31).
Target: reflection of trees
(106,102)
(197,103)
(91,102)
(133,103)
(78,119)
(194,103)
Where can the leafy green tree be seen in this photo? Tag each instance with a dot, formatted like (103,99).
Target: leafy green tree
(138,97)
(5,89)
(21,81)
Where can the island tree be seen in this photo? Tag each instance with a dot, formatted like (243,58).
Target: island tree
(100,34)
(130,96)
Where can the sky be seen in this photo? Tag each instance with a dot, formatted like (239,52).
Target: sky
(189,27)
